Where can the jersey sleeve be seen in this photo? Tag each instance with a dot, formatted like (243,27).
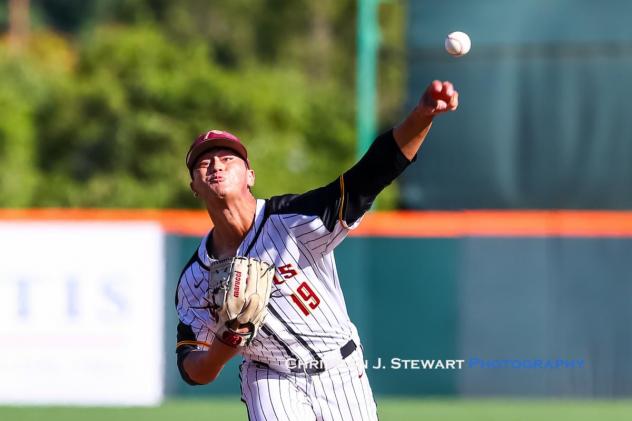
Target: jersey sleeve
(313,233)
(196,327)
(320,219)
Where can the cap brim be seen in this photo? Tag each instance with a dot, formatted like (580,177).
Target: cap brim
(206,146)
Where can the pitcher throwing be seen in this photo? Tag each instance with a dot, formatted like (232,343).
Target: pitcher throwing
(263,282)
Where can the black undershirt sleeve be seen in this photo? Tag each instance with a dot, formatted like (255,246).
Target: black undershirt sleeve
(379,166)
(185,333)
(353,193)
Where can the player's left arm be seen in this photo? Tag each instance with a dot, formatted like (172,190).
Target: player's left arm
(438,98)
(392,152)
(340,204)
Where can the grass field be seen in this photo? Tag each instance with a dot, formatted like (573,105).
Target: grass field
(389,409)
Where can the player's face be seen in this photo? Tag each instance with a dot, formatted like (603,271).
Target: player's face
(221,173)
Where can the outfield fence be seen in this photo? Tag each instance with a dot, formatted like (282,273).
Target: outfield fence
(447,303)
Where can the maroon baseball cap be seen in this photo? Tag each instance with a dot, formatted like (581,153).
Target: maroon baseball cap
(215,139)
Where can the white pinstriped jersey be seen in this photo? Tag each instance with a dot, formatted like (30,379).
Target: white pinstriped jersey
(307,313)
(307,317)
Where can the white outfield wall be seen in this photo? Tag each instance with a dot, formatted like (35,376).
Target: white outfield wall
(81,313)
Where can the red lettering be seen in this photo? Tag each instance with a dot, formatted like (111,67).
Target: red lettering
(308,295)
(300,304)
(237,282)
(287,271)
(305,298)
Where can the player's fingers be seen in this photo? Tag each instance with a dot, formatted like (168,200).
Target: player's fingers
(447,89)
(434,90)
(436,85)
(441,106)
(454,101)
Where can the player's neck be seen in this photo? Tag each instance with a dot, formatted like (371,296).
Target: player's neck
(232,220)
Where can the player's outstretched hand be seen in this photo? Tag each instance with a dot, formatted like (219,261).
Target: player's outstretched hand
(438,98)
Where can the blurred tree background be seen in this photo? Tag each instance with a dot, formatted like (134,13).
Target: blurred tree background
(102,98)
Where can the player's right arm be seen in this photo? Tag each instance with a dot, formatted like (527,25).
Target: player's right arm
(202,367)
(200,357)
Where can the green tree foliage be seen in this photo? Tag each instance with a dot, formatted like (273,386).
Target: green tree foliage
(18,173)
(108,122)
(28,81)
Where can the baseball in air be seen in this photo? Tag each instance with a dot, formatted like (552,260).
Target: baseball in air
(458,44)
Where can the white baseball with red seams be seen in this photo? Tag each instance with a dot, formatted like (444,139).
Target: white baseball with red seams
(458,43)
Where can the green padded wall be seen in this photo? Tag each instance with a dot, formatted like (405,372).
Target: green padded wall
(473,297)
(544,116)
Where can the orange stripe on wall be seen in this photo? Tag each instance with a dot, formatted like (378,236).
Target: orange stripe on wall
(497,223)
(183,222)
(381,224)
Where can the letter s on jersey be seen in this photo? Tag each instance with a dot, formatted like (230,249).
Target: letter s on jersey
(305,298)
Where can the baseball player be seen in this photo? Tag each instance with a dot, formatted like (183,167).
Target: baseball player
(304,361)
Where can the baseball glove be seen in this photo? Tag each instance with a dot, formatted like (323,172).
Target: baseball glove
(239,291)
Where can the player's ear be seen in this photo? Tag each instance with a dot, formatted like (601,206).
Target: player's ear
(250,177)
(195,194)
